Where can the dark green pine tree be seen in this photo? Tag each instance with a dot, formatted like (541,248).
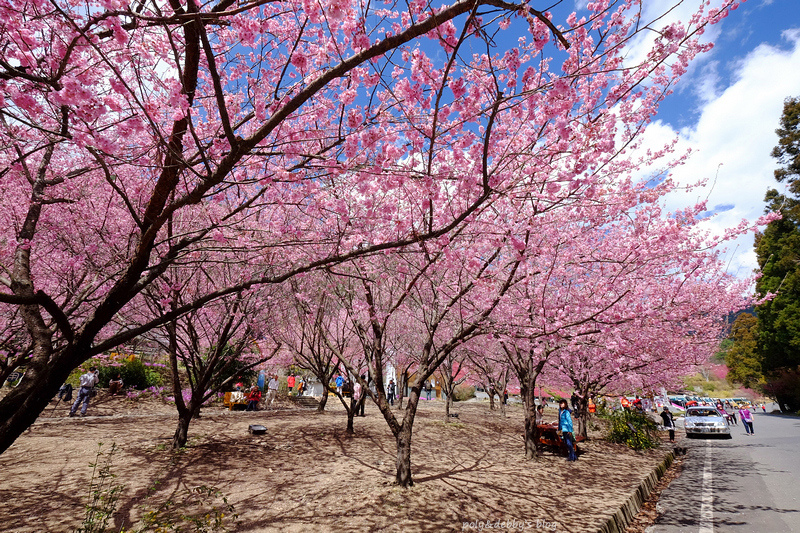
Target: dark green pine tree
(778,250)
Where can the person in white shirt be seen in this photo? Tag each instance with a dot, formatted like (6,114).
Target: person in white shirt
(88,381)
(272,390)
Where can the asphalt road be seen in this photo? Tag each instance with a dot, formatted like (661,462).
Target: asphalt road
(745,484)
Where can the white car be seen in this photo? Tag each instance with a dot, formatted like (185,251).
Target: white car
(705,421)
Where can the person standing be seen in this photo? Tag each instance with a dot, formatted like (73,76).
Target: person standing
(290,383)
(88,381)
(339,384)
(747,420)
(565,427)
(359,401)
(669,423)
(390,392)
(272,390)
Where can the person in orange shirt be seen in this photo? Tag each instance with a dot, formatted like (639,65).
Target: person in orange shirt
(591,406)
(625,403)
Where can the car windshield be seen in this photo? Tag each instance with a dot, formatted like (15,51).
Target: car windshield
(702,412)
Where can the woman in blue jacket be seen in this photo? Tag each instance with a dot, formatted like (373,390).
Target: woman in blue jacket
(565,427)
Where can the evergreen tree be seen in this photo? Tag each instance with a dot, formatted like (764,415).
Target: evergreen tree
(778,250)
(742,358)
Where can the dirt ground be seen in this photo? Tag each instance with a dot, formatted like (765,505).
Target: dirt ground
(307,474)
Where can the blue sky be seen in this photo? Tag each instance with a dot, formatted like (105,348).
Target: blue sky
(726,110)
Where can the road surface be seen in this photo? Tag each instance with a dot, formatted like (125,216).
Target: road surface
(745,484)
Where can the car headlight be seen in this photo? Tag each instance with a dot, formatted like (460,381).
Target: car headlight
(720,424)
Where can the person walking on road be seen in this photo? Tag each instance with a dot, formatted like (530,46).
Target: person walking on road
(669,423)
(747,420)
(88,381)
(565,427)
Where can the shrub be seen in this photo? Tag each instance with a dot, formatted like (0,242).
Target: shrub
(632,428)
(236,370)
(135,374)
(463,393)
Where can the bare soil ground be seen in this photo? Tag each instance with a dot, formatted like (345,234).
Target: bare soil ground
(307,474)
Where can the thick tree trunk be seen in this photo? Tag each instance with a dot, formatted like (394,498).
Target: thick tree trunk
(181,432)
(20,408)
(581,417)
(402,433)
(492,406)
(447,405)
(531,438)
(531,431)
(403,438)
(351,413)
(185,417)
(401,390)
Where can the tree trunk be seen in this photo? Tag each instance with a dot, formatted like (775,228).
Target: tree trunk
(323,401)
(181,432)
(402,433)
(403,438)
(581,416)
(531,437)
(401,389)
(351,413)
(20,408)
(492,406)
(531,431)
(447,409)
(185,417)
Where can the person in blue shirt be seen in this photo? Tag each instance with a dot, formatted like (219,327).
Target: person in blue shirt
(339,383)
(565,427)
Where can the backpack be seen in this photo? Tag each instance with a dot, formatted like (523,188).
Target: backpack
(65,392)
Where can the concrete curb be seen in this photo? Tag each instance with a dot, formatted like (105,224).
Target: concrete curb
(625,514)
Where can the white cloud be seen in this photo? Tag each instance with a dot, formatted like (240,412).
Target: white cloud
(732,141)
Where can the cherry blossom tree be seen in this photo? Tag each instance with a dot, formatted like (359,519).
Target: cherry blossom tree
(206,344)
(305,320)
(451,374)
(488,365)
(442,293)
